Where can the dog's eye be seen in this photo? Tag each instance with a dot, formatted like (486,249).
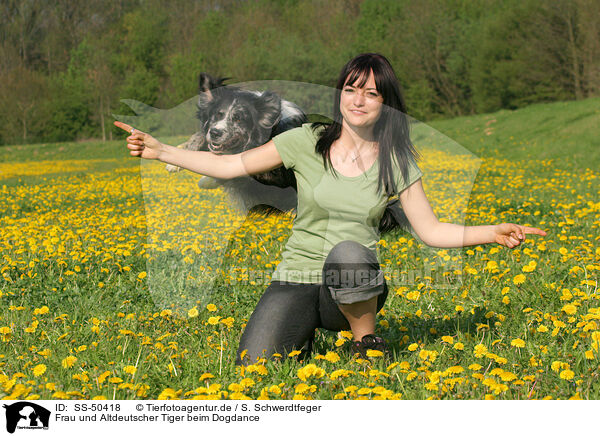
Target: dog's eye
(236,117)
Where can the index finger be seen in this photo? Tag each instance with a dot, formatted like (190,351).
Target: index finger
(123,126)
(534,231)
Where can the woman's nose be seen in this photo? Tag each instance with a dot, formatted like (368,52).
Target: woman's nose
(359,99)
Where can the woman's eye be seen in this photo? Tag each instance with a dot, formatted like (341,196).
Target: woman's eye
(373,94)
(348,90)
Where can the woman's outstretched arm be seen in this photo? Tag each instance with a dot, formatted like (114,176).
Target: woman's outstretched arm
(448,235)
(255,161)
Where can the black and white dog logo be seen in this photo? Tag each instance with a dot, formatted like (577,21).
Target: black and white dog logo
(26,415)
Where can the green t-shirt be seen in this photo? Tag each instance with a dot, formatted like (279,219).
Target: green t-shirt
(330,210)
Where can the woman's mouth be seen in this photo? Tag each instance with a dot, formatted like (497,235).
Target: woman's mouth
(357,112)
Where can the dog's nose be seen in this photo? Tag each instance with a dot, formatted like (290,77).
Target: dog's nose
(215,133)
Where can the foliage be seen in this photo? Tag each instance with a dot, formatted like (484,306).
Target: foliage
(452,57)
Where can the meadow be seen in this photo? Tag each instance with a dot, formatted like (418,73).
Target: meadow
(126,282)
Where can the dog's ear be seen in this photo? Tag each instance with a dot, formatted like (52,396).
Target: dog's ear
(206,83)
(268,106)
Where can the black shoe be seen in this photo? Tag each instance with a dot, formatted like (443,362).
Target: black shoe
(369,342)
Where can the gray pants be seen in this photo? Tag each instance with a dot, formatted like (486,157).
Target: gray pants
(288,313)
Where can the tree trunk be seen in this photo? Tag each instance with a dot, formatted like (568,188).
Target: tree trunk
(102,118)
(25,126)
(574,58)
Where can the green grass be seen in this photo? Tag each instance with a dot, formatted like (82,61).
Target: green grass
(539,167)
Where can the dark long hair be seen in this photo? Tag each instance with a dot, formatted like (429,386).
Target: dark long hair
(391,130)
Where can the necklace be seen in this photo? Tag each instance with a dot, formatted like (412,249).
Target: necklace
(358,155)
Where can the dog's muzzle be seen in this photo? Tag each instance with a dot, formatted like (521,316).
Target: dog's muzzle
(215,148)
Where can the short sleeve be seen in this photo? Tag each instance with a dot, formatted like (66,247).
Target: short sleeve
(286,144)
(295,143)
(414,174)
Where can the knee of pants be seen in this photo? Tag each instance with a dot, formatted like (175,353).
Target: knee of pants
(351,273)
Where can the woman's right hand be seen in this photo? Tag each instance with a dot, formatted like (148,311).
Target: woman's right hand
(141,144)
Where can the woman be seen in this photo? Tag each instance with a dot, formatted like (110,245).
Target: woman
(329,276)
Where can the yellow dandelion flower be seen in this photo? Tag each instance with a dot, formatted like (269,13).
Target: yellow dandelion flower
(302,388)
(41,311)
(129,369)
(346,334)
(374,353)
(69,361)
(211,307)
(167,394)
(228,322)
(507,376)
(332,357)
(274,389)
(518,279)
(459,309)
(340,373)
(294,353)
(103,376)
(448,339)
(506,299)
(567,374)
(519,343)
(569,309)
(39,369)
(214,320)
(413,295)
(142,275)
(340,342)
(455,369)
(206,375)
(542,329)
(247,382)
(480,350)
(413,347)
(431,386)
(310,370)
(193,312)
(459,346)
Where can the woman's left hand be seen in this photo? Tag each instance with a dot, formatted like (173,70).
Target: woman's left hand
(511,235)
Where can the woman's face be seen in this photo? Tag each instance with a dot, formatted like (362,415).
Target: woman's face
(361,107)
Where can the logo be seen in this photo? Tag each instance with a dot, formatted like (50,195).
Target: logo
(26,415)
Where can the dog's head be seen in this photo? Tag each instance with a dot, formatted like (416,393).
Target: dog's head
(235,120)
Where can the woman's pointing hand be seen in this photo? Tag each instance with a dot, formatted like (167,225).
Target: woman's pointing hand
(511,235)
(141,144)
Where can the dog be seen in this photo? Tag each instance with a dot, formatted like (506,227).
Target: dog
(232,120)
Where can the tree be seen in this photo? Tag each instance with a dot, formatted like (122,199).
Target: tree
(23,90)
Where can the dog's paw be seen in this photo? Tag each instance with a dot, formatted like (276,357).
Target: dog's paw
(172,168)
